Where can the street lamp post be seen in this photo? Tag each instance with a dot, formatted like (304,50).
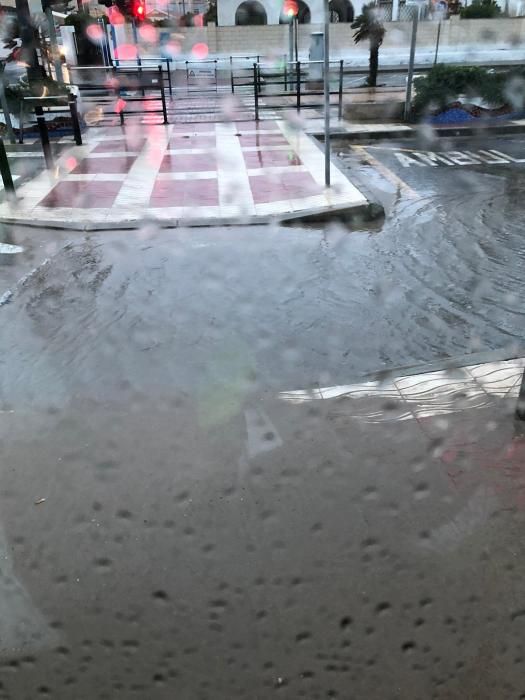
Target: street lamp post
(326,92)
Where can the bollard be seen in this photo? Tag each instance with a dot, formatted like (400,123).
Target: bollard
(520,408)
(340,109)
(5,170)
(170,88)
(72,102)
(163,96)
(298,84)
(255,92)
(44,136)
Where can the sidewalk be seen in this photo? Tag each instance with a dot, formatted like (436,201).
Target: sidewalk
(183,174)
(459,421)
(394,130)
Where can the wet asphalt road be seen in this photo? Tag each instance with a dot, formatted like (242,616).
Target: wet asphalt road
(170,528)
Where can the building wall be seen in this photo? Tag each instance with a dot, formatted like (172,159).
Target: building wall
(273,39)
(227,8)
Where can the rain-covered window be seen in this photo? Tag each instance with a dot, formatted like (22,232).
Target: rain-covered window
(262,396)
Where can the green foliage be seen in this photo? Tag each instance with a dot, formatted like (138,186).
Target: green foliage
(369,26)
(444,84)
(480,9)
(211,13)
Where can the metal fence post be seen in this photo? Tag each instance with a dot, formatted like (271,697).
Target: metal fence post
(298,84)
(44,135)
(6,171)
(168,61)
(255,92)
(72,102)
(520,408)
(163,96)
(340,111)
(285,78)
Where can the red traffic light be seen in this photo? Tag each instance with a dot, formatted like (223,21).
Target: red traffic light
(290,8)
(139,10)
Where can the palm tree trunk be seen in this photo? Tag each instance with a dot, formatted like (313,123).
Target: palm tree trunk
(29,40)
(374,63)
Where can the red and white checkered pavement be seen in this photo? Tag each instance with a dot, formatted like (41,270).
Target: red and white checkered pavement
(183,173)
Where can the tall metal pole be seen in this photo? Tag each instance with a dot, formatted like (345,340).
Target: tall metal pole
(296,30)
(437,42)
(410,75)
(290,49)
(326,93)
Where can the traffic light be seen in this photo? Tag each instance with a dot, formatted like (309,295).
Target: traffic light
(138,10)
(134,10)
(290,9)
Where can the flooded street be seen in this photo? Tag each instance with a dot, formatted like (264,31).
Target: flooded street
(170,519)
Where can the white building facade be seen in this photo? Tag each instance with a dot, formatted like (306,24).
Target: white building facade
(260,12)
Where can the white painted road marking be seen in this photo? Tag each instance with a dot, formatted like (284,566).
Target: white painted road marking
(9,249)
(433,159)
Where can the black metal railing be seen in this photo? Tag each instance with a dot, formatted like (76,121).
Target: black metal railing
(296,79)
(51,105)
(139,64)
(109,83)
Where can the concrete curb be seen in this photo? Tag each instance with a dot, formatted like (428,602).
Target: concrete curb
(409,131)
(319,214)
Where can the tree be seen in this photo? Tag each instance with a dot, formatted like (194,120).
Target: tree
(480,9)
(29,40)
(369,26)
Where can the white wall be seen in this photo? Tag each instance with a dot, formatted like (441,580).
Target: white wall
(273,39)
(227,8)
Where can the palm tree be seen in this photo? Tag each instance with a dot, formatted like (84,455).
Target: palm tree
(369,26)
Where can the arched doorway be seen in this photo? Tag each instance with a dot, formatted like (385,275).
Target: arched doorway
(341,11)
(295,8)
(250,12)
